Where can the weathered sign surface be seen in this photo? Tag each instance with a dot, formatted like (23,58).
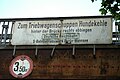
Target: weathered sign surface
(65,31)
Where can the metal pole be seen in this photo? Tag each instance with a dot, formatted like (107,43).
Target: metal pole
(51,55)
(14,51)
(36,51)
(94,54)
(73,54)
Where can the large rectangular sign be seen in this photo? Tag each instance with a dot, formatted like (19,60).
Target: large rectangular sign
(66,31)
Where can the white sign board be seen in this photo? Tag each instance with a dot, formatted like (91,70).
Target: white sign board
(66,31)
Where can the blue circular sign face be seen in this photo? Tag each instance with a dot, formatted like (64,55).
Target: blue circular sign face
(21,66)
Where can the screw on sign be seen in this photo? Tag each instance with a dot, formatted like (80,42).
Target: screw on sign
(21,66)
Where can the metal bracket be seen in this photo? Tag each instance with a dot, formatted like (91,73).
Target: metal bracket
(36,52)
(73,54)
(94,52)
(14,51)
(52,53)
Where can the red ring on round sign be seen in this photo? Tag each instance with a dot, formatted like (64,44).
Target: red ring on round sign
(18,58)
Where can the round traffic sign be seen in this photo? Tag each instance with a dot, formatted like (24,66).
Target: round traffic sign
(21,66)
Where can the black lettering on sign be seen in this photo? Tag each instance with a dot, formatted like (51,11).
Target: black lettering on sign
(22,69)
(34,41)
(20,25)
(17,66)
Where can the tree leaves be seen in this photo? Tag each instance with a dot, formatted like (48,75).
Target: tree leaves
(92,0)
(103,11)
(112,6)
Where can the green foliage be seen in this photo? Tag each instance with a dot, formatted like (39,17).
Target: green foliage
(112,6)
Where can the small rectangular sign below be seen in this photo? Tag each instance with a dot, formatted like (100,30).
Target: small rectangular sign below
(65,31)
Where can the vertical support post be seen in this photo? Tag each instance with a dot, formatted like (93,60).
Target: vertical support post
(36,52)
(14,51)
(52,53)
(6,31)
(117,32)
(94,52)
(2,33)
(73,54)
(11,31)
(0,36)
